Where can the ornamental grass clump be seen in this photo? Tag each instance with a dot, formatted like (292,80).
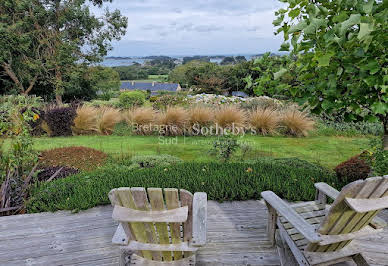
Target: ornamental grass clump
(107,119)
(264,121)
(296,123)
(230,115)
(141,119)
(85,121)
(173,121)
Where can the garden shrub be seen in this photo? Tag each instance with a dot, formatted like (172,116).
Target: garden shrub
(147,161)
(296,123)
(224,147)
(85,121)
(174,120)
(221,181)
(131,98)
(349,129)
(107,119)
(264,121)
(199,117)
(262,103)
(60,120)
(229,116)
(164,101)
(122,129)
(82,158)
(353,169)
(46,173)
(140,119)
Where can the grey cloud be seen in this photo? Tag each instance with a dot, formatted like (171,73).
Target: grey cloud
(207,28)
(152,27)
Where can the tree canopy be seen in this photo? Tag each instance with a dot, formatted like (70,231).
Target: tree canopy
(342,58)
(47,39)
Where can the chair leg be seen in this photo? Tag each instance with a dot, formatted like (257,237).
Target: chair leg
(271,224)
(125,257)
(360,260)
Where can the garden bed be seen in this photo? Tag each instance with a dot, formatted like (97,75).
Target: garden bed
(292,179)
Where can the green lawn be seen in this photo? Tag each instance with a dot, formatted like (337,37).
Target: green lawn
(327,151)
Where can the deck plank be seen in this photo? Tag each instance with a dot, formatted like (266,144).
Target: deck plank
(236,236)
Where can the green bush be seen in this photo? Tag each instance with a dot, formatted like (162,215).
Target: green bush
(349,129)
(166,100)
(148,161)
(291,179)
(131,98)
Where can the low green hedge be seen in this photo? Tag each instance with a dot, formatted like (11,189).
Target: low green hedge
(292,179)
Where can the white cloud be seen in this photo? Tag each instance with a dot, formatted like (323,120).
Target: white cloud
(178,27)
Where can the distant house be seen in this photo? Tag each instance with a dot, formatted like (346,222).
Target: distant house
(239,94)
(154,87)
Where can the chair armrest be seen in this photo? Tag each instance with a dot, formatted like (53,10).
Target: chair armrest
(199,219)
(284,209)
(327,190)
(122,235)
(332,193)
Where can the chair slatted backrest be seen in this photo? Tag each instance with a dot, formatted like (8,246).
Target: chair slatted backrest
(342,219)
(153,199)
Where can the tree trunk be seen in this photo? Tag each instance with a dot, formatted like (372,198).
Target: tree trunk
(385,140)
(58,85)
(13,76)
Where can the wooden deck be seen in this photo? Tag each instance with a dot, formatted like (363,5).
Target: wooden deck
(236,236)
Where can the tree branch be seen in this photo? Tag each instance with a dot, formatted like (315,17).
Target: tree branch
(13,76)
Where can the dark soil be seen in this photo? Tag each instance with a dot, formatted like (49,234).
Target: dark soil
(82,158)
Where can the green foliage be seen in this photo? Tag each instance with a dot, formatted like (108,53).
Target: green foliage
(105,81)
(224,147)
(131,98)
(349,129)
(276,75)
(122,129)
(378,158)
(167,100)
(341,55)
(291,179)
(147,161)
(16,115)
(55,38)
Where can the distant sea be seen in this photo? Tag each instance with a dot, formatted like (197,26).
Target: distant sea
(128,61)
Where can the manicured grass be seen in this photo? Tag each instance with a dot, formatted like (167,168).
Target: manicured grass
(327,151)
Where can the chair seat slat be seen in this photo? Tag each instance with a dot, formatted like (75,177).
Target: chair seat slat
(123,214)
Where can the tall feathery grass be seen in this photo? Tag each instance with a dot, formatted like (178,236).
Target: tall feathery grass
(85,121)
(230,115)
(107,119)
(297,123)
(174,119)
(140,119)
(264,121)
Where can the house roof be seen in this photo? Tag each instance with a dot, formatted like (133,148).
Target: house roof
(149,86)
(239,94)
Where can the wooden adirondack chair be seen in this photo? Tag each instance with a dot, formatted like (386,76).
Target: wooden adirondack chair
(318,234)
(159,230)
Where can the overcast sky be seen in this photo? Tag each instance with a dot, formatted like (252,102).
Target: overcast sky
(193,27)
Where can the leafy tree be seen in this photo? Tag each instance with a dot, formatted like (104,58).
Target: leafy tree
(240,58)
(342,57)
(229,60)
(104,81)
(275,75)
(52,39)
